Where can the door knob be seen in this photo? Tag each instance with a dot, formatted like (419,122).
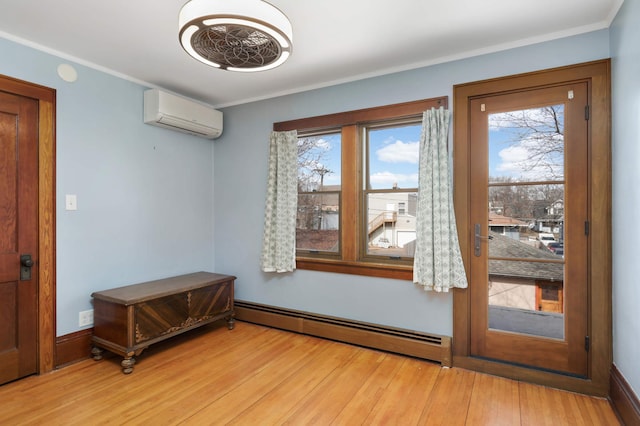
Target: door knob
(26,262)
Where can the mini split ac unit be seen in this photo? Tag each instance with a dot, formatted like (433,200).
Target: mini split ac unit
(173,112)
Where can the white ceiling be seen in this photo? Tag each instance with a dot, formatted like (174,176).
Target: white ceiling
(333,40)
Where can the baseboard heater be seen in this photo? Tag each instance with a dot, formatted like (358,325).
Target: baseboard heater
(432,347)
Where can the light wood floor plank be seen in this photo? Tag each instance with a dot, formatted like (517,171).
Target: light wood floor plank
(323,404)
(267,376)
(448,404)
(112,394)
(255,375)
(228,372)
(273,407)
(544,406)
(494,401)
(404,398)
(368,396)
(171,365)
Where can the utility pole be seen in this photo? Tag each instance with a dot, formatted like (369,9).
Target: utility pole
(321,170)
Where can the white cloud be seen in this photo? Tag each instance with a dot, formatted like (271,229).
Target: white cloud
(524,161)
(514,119)
(399,152)
(512,158)
(323,144)
(536,146)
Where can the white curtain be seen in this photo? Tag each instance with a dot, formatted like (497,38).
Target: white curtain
(437,261)
(279,240)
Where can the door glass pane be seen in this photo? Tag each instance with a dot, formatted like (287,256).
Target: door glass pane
(527,145)
(526,297)
(391,223)
(526,222)
(532,214)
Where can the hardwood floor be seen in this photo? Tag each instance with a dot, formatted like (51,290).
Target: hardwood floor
(255,375)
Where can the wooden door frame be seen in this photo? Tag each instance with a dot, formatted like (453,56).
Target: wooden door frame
(46,98)
(598,76)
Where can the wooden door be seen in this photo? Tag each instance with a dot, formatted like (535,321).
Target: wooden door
(549,297)
(529,163)
(18,236)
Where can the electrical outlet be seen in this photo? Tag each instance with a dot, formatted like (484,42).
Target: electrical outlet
(85,318)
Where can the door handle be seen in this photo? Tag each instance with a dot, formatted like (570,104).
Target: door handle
(477,238)
(26,262)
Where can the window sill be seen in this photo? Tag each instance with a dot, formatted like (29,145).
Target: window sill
(382,270)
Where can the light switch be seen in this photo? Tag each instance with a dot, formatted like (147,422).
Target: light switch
(71,202)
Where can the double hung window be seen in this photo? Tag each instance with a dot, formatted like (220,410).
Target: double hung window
(357,189)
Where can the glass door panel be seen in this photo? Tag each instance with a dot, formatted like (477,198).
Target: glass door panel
(526,215)
(528,201)
(526,254)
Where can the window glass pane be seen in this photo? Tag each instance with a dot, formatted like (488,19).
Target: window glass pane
(527,145)
(318,222)
(319,184)
(391,230)
(393,156)
(319,163)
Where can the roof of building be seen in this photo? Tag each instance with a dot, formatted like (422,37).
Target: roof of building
(496,219)
(501,246)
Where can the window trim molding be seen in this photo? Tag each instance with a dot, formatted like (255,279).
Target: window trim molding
(342,119)
(351,261)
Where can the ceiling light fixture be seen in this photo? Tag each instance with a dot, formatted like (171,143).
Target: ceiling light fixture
(235,35)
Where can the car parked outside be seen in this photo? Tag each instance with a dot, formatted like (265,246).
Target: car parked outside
(556,247)
(546,238)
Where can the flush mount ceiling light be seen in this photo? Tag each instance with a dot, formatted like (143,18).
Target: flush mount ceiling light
(235,35)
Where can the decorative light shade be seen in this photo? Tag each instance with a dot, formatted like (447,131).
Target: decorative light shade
(235,35)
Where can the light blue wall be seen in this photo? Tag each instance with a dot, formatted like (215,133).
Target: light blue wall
(145,194)
(149,201)
(241,169)
(625,53)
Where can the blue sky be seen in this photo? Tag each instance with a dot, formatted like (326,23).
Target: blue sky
(331,145)
(393,157)
(517,155)
(497,142)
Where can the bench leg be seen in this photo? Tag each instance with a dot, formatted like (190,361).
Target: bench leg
(127,364)
(231,323)
(96,353)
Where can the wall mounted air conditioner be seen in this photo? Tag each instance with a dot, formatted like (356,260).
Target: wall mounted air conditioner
(174,112)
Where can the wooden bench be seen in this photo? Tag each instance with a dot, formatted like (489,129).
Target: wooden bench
(129,319)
